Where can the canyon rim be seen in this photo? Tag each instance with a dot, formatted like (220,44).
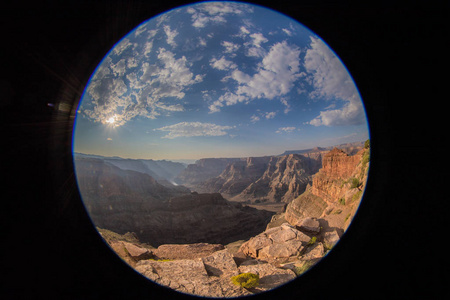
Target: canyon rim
(185,149)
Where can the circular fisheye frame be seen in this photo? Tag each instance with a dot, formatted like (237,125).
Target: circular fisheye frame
(221,149)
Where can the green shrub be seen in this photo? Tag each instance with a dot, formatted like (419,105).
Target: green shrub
(355,183)
(342,201)
(312,241)
(246,280)
(305,267)
(367,144)
(365,159)
(357,196)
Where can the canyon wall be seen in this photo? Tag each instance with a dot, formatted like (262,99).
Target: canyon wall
(130,201)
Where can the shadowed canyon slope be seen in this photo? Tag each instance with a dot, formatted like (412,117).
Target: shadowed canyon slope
(130,201)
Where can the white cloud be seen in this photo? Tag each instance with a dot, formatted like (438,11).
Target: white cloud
(202,42)
(287,31)
(286,129)
(147,89)
(121,46)
(222,64)
(254,119)
(244,30)
(332,81)
(286,104)
(230,47)
(119,68)
(258,38)
(275,76)
(214,12)
(171,34)
(191,129)
(254,47)
(270,115)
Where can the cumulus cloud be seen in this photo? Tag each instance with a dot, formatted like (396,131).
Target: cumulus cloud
(230,47)
(171,34)
(270,115)
(222,64)
(258,38)
(146,93)
(275,77)
(214,12)
(191,129)
(331,80)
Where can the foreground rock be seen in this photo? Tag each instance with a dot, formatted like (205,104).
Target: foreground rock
(270,276)
(276,245)
(209,276)
(188,251)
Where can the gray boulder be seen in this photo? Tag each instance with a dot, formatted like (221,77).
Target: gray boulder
(308,225)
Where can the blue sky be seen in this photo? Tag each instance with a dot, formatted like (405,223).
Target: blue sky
(218,80)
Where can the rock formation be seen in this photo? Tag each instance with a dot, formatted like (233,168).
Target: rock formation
(335,192)
(130,201)
(264,179)
(191,229)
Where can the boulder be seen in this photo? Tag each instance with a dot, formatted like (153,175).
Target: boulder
(277,244)
(269,276)
(186,251)
(186,275)
(314,251)
(137,252)
(330,239)
(310,225)
(281,252)
(220,263)
(208,276)
(252,247)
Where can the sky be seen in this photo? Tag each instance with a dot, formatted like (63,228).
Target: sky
(218,79)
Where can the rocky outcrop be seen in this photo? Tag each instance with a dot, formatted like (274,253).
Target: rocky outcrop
(277,256)
(276,245)
(335,191)
(186,251)
(265,179)
(210,276)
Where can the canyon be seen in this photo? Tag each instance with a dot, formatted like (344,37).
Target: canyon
(197,226)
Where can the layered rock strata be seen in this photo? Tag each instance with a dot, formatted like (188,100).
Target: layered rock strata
(130,201)
(265,179)
(335,192)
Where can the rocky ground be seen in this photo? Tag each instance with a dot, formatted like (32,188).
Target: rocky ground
(294,240)
(277,255)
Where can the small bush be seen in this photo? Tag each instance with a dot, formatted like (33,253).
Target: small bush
(300,270)
(312,241)
(342,201)
(355,183)
(246,280)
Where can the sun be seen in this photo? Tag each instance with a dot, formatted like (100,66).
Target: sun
(111,120)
